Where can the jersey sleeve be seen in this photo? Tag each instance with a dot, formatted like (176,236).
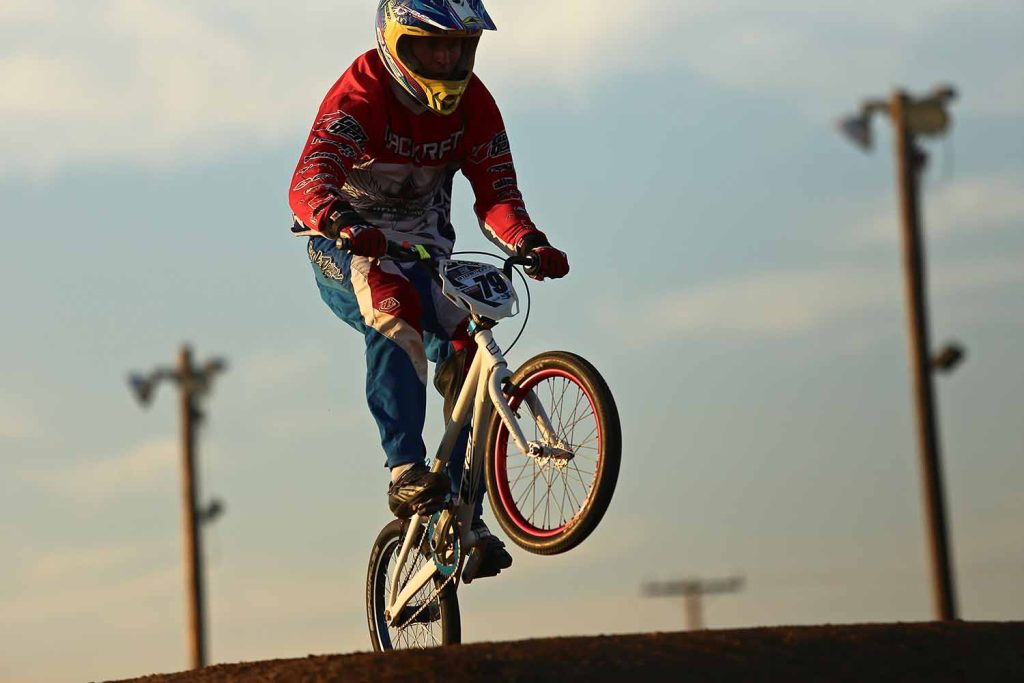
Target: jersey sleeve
(489,169)
(338,138)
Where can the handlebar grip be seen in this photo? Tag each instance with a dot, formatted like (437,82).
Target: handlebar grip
(529,262)
(396,250)
(532,265)
(407,253)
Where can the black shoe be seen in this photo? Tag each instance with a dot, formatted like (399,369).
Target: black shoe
(489,556)
(419,491)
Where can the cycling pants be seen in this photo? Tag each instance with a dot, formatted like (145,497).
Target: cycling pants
(405,321)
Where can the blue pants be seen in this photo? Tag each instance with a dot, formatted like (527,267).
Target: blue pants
(405,321)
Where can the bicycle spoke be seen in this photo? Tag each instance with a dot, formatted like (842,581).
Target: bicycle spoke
(550,494)
(586,487)
(575,420)
(531,489)
(565,491)
(574,500)
(547,508)
(571,428)
(548,481)
(535,504)
(556,406)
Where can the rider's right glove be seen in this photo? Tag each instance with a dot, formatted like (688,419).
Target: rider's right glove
(364,240)
(344,225)
(551,262)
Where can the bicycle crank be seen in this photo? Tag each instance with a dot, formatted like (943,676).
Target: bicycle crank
(442,538)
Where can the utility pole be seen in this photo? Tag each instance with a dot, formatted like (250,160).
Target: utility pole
(193,384)
(910,117)
(692,591)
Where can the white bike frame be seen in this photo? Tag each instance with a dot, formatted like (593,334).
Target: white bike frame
(487,374)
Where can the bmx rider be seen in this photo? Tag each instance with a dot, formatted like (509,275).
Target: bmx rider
(378,165)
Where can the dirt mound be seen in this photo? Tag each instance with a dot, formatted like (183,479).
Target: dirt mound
(933,652)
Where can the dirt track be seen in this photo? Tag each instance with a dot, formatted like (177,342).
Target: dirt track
(932,652)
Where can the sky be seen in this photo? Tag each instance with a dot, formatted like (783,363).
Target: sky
(736,276)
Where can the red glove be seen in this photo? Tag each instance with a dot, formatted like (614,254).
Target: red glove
(553,263)
(363,240)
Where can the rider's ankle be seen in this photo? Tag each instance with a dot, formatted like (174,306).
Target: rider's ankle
(399,470)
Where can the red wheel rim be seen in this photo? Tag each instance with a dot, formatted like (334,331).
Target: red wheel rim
(500,456)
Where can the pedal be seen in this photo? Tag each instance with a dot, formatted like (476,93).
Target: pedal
(472,566)
(480,566)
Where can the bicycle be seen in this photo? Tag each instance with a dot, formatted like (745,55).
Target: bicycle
(416,564)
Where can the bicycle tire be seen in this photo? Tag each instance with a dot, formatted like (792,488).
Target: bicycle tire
(562,532)
(378,578)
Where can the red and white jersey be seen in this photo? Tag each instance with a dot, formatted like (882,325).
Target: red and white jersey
(395,166)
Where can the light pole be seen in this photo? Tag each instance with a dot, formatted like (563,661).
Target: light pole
(193,384)
(912,118)
(692,592)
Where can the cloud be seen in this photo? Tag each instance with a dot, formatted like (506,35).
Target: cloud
(954,210)
(783,304)
(268,370)
(159,81)
(17,421)
(28,10)
(143,467)
(52,566)
(129,600)
(155,81)
(822,61)
(777,304)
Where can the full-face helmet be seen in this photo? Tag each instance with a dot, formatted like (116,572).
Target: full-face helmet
(399,22)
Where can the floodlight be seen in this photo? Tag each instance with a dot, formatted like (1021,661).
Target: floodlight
(214,365)
(857,128)
(948,358)
(212,511)
(142,387)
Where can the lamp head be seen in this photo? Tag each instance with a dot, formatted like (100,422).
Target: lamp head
(142,387)
(214,365)
(949,357)
(857,128)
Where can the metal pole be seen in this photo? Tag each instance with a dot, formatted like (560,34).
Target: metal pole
(910,161)
(694,616)
(191,534)
(693,592)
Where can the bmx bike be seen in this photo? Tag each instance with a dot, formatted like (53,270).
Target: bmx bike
(546,438)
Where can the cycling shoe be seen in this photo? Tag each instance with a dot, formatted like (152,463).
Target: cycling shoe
(418,491)
(489,556)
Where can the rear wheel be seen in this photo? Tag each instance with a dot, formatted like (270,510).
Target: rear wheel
(437,623)
(550,503)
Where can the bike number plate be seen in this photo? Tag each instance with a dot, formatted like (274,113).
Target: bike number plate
(479,288)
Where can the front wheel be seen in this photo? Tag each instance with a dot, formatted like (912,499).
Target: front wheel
(550,502)
(433,620)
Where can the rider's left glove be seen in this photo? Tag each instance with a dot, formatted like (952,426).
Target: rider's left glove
(550,261)
(553,263)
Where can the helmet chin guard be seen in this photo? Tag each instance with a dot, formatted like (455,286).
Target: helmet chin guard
(398,20)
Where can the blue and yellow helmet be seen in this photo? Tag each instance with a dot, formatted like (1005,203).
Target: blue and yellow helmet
(397,20)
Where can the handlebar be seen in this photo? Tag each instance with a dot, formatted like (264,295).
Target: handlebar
(404,252)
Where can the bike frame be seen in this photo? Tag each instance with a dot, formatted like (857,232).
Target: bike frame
(482,388)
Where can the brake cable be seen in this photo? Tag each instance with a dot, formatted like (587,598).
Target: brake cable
(522,277)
